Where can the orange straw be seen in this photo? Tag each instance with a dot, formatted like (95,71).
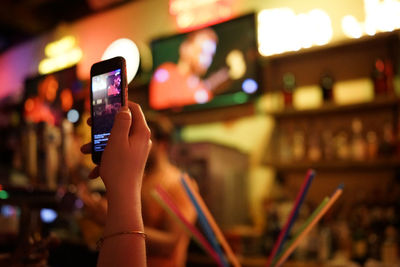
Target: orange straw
(218,233)
(301,236)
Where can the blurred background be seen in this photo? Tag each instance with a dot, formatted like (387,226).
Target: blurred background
(298,85)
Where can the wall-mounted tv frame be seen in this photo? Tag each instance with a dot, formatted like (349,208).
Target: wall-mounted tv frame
(207,68)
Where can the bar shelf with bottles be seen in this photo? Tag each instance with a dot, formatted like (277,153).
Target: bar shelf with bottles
(362,136)
(352,129)
(338,137)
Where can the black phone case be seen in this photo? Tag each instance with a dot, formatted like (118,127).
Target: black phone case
(102,67)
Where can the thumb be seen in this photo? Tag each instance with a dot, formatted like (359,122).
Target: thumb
(122,124)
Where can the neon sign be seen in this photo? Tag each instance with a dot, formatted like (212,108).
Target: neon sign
(380,16)
(282,30)
(191,14)
(60,54)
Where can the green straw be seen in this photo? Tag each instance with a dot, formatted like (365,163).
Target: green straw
(304,226)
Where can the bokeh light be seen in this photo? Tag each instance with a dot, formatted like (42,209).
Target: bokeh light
(249,86)
(48,215)
(73,115)
(127,49)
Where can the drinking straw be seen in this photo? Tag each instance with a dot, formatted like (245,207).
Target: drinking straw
(205,225)
(231,256)
(163,198)
(292,217)
(296,241)
(304,225)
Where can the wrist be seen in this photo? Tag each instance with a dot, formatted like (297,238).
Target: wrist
(124,215)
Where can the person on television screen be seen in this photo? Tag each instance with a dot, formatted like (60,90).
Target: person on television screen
(176,85)
(114,89)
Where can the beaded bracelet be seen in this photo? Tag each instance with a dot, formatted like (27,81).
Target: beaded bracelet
(99,243)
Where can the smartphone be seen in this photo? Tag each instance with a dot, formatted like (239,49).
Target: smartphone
(108,92)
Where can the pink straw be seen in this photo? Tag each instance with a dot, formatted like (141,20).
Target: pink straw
(292,217)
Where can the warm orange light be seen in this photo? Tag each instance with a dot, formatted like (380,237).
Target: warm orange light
(48,88)
(29,105)
(194,14)
(66,99)
(36,111)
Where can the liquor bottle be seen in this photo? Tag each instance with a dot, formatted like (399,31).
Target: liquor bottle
(326,83)
(387,147)
(358,145)
(30,143)
(390,247)
(342,146)
(298,145)
(372,145)
(289,84)
(359,236)
(328,145)
(314,148)
(285,147)
(379,77)
(52,142)
(325,247)
(389,75)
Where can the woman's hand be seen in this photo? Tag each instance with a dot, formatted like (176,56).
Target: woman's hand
(125,155)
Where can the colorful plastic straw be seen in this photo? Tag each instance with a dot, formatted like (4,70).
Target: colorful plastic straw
(304,225)
(292,217)
(296,241)
(205,225)
(163,198)
(231,256)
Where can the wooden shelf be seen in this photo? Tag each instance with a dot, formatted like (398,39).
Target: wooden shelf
(365,165)
(212,115)
(333,108)
(363,41)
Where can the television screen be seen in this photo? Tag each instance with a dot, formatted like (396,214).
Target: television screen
(210,67)
(54,96)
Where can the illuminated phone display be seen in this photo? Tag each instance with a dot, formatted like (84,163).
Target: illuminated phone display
(106,101)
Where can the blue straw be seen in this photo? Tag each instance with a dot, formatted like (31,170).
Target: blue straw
(205,225)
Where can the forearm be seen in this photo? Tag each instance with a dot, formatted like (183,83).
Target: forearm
(124,214)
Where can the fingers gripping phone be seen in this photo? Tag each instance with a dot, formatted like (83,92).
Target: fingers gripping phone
(108,92)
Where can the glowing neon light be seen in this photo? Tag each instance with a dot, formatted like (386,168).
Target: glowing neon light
(4,194)
(351,27)
(59,47)
(380,16)
(282,30)
(127,49)
(192,14)
(61,54)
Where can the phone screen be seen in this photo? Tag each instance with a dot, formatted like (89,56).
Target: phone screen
(106,102)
